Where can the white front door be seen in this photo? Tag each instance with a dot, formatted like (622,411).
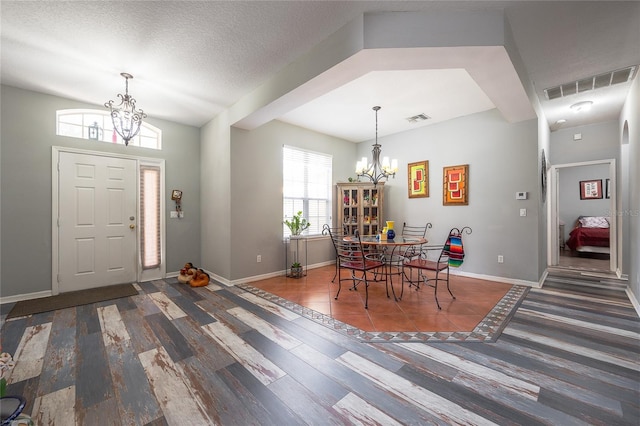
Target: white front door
(96,221)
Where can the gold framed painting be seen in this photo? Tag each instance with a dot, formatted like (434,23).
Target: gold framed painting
(455,187)
(418,179)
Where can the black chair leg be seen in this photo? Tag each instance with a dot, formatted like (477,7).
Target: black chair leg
(354,279)
(366,291)
(339,285)
(448,286)
(435,290)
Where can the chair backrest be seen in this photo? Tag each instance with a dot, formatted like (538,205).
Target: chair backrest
(347,252)
(415,231)
(328,230)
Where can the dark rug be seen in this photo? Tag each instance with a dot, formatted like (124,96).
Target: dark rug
(70,299)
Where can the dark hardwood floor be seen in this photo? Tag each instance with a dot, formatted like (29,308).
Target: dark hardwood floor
(585,262)
(175,355)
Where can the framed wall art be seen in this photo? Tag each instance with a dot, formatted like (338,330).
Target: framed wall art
(418,179)
(455,185)
(591,189)
(543,175)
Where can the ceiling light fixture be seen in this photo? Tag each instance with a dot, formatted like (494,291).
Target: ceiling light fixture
(126,119)
(376,171)
(583,106)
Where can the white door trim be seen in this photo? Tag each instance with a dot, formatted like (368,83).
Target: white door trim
(55,156)
(553,254)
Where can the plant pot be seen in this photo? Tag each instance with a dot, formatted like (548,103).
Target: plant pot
(296,272)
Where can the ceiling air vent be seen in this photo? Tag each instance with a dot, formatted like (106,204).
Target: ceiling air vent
(591,83)
(417,118)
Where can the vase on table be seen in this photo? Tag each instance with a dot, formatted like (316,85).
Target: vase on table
(391,234)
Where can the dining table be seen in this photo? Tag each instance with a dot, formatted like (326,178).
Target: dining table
(387,250)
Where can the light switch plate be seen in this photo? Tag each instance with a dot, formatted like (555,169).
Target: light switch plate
(173,214)
(523,212)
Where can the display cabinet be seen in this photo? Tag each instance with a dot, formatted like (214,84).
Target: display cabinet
(361,207)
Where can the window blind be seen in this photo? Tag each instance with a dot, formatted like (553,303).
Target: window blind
(150,217)
(307,179)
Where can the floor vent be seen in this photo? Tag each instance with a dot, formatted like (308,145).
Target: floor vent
(417,118)
(591,83)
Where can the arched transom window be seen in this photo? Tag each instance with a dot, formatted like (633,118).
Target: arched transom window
(97,125)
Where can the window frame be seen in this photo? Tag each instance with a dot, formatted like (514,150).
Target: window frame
(86,117)
(291,203)
(158,272)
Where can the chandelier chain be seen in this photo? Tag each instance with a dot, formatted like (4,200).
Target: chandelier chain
(376,171)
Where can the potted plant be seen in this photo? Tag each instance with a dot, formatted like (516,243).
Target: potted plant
(297,224)
(296,270)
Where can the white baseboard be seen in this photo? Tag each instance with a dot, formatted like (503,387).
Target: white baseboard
(275,274)
(26,296)
(227,282)
(632,298)
(512,281)
(230,283)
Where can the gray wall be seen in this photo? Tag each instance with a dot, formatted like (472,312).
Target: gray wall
(629,218)
(27,135)
(599,142)
(256,195)
(502,160)
(215,164)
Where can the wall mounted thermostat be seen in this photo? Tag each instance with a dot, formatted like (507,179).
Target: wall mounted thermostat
(521,195)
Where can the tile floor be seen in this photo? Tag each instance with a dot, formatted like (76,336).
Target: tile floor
(416,311)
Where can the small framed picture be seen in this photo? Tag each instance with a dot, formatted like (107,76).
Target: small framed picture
(176,194)
(455,189)
(418,179)
(591,189)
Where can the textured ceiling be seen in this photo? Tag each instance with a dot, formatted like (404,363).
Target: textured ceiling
(192,60)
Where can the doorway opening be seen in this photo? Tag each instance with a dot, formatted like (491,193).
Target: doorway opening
(582,230)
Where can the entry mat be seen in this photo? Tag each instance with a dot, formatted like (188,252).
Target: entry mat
(70,299)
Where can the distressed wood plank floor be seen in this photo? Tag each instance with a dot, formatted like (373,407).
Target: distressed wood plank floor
(175,355)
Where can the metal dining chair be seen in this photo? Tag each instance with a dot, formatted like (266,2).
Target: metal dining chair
(413,231)
(450,254)
(439,266)
(329,231)
(351,256)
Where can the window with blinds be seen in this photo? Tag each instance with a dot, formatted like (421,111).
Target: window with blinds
(150,238)
(306,187)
